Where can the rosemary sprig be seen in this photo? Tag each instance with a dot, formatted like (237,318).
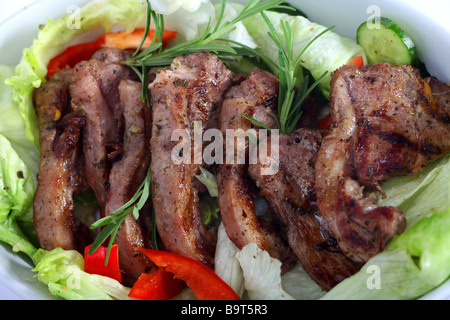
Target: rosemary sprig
(156,55)
(210,40)
(112,222)
(290,98)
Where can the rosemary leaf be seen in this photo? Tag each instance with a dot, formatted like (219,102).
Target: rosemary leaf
(256,121)
(155,56)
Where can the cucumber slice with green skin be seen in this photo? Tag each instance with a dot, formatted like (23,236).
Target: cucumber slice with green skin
(388,43)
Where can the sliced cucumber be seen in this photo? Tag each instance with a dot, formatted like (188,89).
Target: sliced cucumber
(388,43)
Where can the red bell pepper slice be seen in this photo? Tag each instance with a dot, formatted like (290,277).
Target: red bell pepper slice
(95,263)
(357,61)
(158,285)
(120,40)
(205,284)
(324,123)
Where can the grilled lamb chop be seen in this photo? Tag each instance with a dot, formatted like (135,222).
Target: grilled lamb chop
(60,176)
(291,196)
(253,97)
(401,128)
(94,92)
(126,176)
(190,91)
(385,122)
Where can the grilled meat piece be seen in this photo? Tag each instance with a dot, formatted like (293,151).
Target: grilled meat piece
(441,96)
(385,122)
(401,128)
(190,91)
(253,97)
(291,196)
(126,176)
(60,176)
(94,92)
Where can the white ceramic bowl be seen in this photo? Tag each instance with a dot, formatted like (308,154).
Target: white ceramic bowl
(425,21)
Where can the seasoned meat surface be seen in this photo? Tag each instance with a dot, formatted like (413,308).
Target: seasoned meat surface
(60,177)
(441,96)
(191,90)
(126,176)
(255,98)
(385,122)
(290,194)
(94,92)
(400,126)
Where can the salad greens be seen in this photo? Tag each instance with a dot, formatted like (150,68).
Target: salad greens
(62,271)
(17,178)
(419,195)
(262,277)
(13,125)
(414,263)
(52,38)
(327,53)
(291,92)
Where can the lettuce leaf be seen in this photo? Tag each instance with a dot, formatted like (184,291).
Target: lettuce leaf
(17,187)
(299,285)
(63,272)
(209,180)
(227,267)
(12,125)
(53,38)
(419,195)
(415,262)
(262,274)
(168,6)
(327,53)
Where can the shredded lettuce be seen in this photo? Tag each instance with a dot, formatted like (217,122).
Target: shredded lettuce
(209,180)
(209,209)
(209,205)
(227,267)
(62,271)
(262,274)
(327,53)
(262,277)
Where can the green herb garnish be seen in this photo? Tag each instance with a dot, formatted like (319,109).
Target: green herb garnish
(211,40)
(112,222)
(290,98)
(156,56)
